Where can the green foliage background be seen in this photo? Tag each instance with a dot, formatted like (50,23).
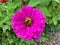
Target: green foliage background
(50,8)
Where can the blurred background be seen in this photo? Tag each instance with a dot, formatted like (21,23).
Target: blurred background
(50,8)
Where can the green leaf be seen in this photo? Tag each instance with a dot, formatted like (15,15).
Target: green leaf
(58,1)
(58,26)
(5,27)
(43,39)
(54,19)
(21,41)
(45,2)
(28,42)
(41,2)
(10,40)
(45,11)
(33,2)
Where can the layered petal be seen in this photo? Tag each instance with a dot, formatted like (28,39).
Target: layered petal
(27,10)
(28,32)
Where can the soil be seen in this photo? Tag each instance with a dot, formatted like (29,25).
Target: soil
(54,41)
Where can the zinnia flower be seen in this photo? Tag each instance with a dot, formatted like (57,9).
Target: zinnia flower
(28,23)
(3,1)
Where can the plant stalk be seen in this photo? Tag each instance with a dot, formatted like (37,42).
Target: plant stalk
(24,3)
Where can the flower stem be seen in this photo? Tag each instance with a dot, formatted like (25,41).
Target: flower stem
(23,2)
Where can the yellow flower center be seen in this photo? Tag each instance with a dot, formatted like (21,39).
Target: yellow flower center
(28,21)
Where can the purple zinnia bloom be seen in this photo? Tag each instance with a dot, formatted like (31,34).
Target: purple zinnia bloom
(28,23)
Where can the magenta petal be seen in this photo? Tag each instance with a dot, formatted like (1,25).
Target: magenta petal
(28,32)
(36,27)
(21,31)
(42,21)
(19,34)
(18,27)
(20,14)
(37,14)
(17,18)
(28,38)
(33,29)
(27,10)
